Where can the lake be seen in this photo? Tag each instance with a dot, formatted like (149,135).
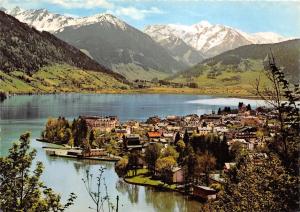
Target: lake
(19,114)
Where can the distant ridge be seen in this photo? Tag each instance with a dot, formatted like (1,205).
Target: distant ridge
(286,53)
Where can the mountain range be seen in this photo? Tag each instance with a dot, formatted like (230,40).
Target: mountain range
(108,40)
(158,51)
(207,38)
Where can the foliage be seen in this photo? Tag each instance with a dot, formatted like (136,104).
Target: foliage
(21,188)
(287,139)
(180,146)
(112,147)
(258,187)
(57,131)
(186,137)
(121,166)
(205,163)
(170,151)
(189,164)
(86,146)
(177,137)
(79,130)
(198,166)
(164,167)
(152,153)
(215,145)
(236,150)
(133,161)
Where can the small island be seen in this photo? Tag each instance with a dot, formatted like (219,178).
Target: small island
(188,154)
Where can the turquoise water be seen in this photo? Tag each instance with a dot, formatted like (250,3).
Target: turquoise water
(19,114)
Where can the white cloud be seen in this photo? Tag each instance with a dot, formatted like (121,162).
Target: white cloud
(111,7)
(135,13)
(88,4)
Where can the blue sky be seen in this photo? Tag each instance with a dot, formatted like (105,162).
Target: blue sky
(282,17)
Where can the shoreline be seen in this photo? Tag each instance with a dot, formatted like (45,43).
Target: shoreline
(168,91)
(62,152)
(161,186)
(152,186)
(85,158)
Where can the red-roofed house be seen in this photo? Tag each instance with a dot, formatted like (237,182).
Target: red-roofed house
(153,135)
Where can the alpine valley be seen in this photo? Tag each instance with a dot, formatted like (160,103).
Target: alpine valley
(170,52)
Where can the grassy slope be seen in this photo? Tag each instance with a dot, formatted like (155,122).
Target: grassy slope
(226,80)
(59,78)
(133,72)
(64,78)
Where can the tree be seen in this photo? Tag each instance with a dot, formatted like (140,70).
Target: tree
(71,142)
(287,139)
(170,151)
(214,144)
(152,153)
(21,188)
(164,168)
(240,105)
(80,130)
(112,148)
(258,187)
(189,164)
(57,131)
(67,135)
(186,137)
(92,137)
(86,147)
(205,163)
(181,149)
(248,107)
(133,161)
(177,137)
(121,166)
(236,150)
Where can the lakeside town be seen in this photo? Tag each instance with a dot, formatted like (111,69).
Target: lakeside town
(189,154)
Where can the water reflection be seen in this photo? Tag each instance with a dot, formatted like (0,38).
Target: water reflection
(131,190)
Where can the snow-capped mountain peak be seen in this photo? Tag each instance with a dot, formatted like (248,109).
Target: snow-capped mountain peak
(202,24)
(44,20)
(41,19)
(101,18)
(210,39)
(15,11)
